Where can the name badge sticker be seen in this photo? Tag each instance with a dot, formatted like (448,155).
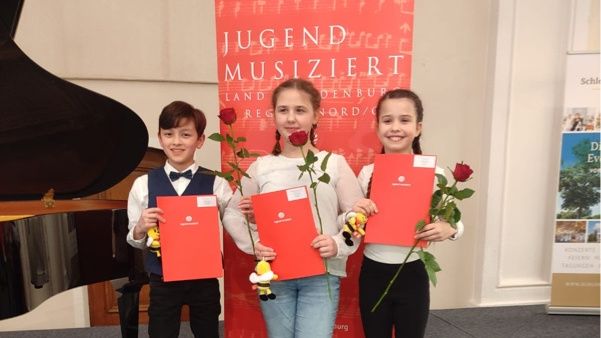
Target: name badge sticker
(206,201)
(424,161)
(296,193)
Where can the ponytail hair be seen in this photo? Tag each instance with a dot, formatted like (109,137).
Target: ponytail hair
(276,148)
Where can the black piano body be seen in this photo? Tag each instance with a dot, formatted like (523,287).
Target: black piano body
(43,255)
(61,138)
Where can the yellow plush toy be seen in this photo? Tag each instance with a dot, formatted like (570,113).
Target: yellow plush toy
(354,226)
(262,278)
(152,242)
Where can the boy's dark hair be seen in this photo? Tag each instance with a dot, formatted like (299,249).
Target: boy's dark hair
(303,86)
(176,111)
(419,110)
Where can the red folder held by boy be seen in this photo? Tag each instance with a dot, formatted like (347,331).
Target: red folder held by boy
(401,187)
(285,223)
(190,243)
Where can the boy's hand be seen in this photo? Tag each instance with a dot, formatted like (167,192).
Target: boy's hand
(264,252)
(365,206)
(436,232)
(149,218)
(246,207)
(326,245)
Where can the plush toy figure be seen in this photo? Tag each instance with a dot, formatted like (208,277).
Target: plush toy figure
(354,226)
(48,199)
(152,242)
(262,278)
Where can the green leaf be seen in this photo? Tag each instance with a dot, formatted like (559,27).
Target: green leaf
(241,139)
(436,198)
(456,217)
(216,137)
(254,154)
(313,184)
(243,153)
(453,191)
(463,194)
(325,178)
(324,163)
(311,158)
(302,167)
(449,209)
(301,175)
(420,225)
(431,265)
(442,180)
(222,174)
(230,140)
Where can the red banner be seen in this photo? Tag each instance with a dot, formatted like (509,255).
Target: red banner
(352,51)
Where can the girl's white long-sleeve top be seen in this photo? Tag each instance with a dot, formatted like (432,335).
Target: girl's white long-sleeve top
(271,173)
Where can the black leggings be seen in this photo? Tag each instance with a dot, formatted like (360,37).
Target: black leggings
(405,307)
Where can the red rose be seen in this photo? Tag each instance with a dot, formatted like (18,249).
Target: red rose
(299,138)
(462,172)
(227,115)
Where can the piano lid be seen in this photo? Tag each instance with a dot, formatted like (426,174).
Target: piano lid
(10,11)
(54,134)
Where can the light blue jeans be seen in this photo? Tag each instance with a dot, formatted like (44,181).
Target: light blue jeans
(302,308)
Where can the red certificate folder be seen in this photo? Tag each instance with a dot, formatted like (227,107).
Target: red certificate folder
(190,243)
(285,223)
(401,187)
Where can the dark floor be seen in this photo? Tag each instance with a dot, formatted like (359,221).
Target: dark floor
(495,322)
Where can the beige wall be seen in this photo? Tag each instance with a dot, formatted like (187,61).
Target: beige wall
(490,73)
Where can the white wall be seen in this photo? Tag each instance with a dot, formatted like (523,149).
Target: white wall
(490,73)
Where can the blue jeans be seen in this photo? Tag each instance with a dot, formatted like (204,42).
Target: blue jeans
(302,308)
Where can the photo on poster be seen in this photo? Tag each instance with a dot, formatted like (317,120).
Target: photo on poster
(593,235)
(570,231)
(581,119)
(579,179)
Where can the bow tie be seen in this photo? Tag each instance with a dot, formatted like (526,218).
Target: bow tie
(174,176)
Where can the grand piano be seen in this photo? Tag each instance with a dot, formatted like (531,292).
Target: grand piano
(60,144)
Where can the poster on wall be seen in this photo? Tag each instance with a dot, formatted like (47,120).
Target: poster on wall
(352,51)
(576,246)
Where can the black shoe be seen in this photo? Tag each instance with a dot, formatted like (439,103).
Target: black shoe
(271,296)
(263,297)
(349,242)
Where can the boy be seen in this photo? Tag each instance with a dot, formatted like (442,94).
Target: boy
(181,133)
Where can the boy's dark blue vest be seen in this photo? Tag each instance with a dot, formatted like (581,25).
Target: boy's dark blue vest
(160,185)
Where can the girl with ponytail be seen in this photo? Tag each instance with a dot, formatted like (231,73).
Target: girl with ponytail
(303,307)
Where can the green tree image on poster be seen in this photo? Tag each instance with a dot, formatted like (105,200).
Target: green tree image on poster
(579,177)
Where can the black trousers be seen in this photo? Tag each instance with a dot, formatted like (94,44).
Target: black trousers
(406,306)
(167,298)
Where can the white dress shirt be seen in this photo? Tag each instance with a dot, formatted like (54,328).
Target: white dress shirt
(138,198)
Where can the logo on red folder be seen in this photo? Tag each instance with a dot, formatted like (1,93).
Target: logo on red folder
(188,221)
(401,182)
(281,218)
